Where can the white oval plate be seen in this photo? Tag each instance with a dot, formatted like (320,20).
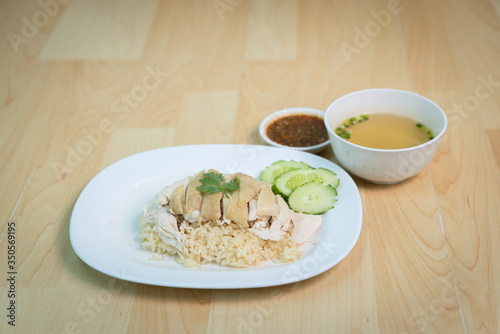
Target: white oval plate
(104,225)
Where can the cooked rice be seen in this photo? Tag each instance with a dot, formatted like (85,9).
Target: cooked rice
(224,244)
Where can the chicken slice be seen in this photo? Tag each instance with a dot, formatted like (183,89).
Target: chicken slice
(166,194)
(224,204)
(252,209)
(278,226)
(304,226)
(151,212)
(253,217)
(285,216)
(168,231)
(211,207)
(236,211)
(237,206)
(177,200)
(266,202)
(193,200)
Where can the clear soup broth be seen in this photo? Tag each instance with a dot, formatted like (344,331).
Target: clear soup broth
(384,131)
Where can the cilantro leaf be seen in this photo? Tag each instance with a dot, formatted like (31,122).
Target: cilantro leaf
(207,188)
(212,183)
(233,185)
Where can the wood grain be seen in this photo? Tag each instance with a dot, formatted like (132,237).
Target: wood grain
(208,117)
(271,30)
(86,83)
(94,36)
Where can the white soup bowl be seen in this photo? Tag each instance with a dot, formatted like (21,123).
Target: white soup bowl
(385,166)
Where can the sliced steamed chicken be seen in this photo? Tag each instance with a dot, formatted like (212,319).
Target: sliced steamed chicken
(304,226)
(273,227)
(170,192)
(237,205)
(211,205)
(168,230)
(193,199)
(271,218)
(164,223)
(253,206)
(266,202)
(177,200)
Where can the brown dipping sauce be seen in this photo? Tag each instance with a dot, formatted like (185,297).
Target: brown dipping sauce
(297,130)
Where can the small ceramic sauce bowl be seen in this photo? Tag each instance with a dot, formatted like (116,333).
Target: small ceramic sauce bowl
(289,112)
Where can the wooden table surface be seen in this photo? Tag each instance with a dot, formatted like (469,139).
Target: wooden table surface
(84,83)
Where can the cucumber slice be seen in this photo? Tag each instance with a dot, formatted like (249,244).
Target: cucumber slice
(289,181)
(269,174)
(313,198)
